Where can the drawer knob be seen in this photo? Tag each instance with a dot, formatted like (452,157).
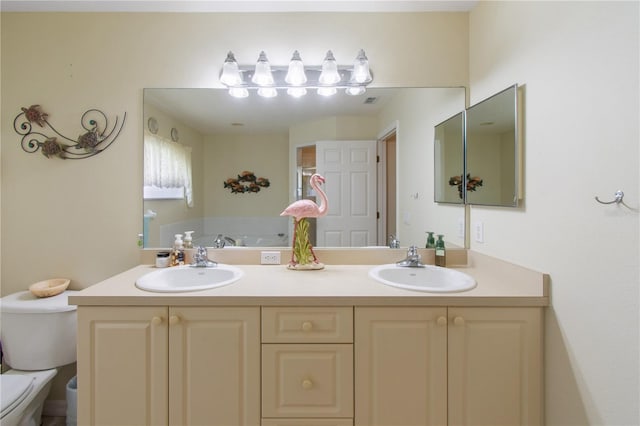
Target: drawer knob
(441,321)
(307,326)
(174,319)
(458,321)
(307,384)
(156,320)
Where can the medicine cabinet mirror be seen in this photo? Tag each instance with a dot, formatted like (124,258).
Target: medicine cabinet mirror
(477,153)
(492,150)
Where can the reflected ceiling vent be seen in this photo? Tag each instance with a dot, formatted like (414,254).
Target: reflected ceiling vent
(371,100)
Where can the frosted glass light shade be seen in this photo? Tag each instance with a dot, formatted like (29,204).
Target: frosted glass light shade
(361,73)
(296,92)
(230,71)
(355,90)
(267,92)
(329,74)
(239,92)
(327,91)
(295,74)
(262,75)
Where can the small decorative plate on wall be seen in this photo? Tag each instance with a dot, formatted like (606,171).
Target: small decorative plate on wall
(152,124)
(174,134)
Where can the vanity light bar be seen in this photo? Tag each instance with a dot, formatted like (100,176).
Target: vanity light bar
(296,78)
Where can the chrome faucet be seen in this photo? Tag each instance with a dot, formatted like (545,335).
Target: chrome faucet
(393,242)
(201,259)
(221,241)
(413,260)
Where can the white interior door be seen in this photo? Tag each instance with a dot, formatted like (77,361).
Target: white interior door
(349,168)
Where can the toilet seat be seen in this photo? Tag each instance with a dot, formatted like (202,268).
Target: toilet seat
(13,390)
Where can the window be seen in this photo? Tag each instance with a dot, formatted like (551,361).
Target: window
(167,169)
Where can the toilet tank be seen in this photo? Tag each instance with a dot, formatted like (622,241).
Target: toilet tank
(38,333)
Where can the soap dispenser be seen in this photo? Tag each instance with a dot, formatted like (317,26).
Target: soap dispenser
(431,242)
(177,254)
(441,255)
(189,251)
(188,239)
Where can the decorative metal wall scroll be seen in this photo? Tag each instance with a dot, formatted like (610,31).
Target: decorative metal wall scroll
(472,183)
(246,182)
(96,138)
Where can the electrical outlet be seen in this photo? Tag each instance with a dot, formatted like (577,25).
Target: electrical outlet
(479,232)
(269,257)
(461,227)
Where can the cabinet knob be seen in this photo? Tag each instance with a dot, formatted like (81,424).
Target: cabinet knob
(458,321)
(156,320)
(441,321)
(307,384)
(307,326)
(174,319)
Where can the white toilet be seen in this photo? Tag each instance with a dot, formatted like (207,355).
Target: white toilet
(37,336)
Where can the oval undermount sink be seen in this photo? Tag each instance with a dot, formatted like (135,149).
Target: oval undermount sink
(427,278)
(188,278)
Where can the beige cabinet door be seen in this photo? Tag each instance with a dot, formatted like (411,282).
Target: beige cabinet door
(214,355)
(495,366)
(122,366)
(400,366)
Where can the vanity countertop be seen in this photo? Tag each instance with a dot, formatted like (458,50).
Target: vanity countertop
(499,284)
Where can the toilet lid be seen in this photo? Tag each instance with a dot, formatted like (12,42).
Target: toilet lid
(24,302)
(13,389)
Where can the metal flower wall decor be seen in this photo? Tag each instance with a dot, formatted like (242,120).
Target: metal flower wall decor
(246,182)
(472,183)
(96,138)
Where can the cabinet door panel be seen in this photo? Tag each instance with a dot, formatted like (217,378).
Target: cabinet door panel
(401,366)
(495,366)
(215,366)
(122,365)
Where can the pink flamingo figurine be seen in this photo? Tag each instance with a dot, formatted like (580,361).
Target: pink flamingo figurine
(300,210)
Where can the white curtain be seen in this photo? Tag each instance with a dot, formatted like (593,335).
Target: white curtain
(167,164)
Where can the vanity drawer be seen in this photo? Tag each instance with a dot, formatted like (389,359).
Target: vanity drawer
(307,380)
(307,325)
(307,422)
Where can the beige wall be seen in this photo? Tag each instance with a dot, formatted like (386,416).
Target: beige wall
(227,156)
(578,65)
(80,219)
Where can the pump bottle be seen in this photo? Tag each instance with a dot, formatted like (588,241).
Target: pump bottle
(441,255)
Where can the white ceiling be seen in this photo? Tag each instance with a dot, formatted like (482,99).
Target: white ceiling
(236,5)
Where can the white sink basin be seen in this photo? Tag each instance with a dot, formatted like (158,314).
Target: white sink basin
(187,278)
(427,278)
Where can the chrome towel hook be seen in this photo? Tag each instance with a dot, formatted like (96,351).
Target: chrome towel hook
(619,195)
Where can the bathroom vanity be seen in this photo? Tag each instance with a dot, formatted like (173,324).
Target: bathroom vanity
(330,347)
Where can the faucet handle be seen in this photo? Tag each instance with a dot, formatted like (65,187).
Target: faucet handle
(412,251)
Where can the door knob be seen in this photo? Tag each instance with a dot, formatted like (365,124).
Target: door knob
(174,319)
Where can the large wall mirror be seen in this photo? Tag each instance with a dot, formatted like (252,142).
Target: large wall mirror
(492,150)
(246,156)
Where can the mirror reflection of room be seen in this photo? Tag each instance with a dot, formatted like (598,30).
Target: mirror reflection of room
(228,137)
